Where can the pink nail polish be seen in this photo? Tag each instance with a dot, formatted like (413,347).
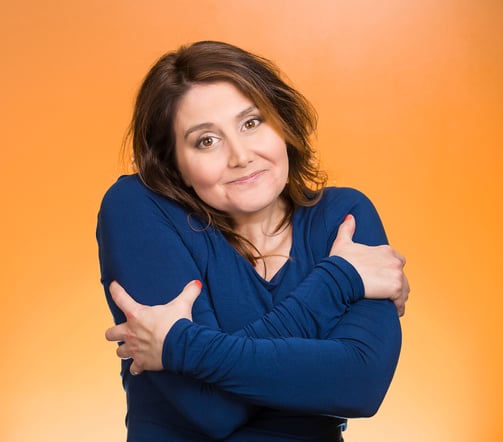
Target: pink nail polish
(198,283)
(348,216)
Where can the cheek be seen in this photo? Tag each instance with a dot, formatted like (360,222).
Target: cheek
(282,159)
(205,184)
(201,174)
(195,170)
(183,167)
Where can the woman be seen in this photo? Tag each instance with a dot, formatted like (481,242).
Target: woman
(284,335)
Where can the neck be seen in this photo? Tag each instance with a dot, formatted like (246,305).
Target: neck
(263,229)
(271,238)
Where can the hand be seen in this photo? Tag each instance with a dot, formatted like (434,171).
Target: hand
(146,327)
(380,267)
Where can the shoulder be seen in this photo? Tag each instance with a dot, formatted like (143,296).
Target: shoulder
(129,195)
(335,204)
(128,188)
(130,207)
(342,198)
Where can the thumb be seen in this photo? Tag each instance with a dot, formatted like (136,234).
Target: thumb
(122,298)
(347,229)
(190,292)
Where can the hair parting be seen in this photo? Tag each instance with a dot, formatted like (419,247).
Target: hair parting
(151,132)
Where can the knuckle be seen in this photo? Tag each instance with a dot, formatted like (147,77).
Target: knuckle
(398,263)
(385,248)
(397,286)
(133,315)
(129,335)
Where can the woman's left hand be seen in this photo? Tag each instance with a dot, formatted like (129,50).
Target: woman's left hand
(143,333)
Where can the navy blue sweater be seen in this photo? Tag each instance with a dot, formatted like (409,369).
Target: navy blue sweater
(263,360)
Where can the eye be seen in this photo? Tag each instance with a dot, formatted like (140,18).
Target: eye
(252,123)
(206,142)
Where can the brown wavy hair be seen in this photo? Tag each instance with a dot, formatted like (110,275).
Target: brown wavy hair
(153,137)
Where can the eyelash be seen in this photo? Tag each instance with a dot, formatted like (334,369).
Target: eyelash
(200,141)
(256,120)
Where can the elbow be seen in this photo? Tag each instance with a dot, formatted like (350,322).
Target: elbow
(218,429)
(372,387)
(220,432)
(220,422)
(363,405)
(366,408)
(367,400)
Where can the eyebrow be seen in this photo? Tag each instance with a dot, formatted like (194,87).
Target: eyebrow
(200,126)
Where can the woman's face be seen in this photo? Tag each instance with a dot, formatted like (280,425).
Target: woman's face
(232,158)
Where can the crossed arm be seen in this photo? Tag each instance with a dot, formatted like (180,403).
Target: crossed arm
(346,368)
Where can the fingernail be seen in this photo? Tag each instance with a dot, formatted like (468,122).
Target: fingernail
(348,217)
(198,283)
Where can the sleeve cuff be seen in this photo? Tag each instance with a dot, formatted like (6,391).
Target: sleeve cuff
(173,347)
(337,267)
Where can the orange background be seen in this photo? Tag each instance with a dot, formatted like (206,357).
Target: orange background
(410,97)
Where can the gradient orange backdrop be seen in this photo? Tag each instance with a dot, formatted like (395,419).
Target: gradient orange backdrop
(410,97)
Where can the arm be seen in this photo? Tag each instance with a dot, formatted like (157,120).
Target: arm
(312,312)
(140,248)
(347,375)
(382,371)
(355,363)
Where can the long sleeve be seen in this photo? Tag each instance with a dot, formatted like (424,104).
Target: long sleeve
(313,309)
(350,369)
(344,375)
(142,249)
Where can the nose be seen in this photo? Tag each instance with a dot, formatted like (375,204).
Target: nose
(240,154)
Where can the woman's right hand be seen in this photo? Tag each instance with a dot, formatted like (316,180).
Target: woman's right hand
(142,335)
(380,267)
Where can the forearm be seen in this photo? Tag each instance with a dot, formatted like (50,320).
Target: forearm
(140,248)
(314,307)
(211,410)
(346,375)
(143,251)
(321,300)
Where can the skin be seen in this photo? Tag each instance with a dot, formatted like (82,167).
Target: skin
(236,162)
(145,329)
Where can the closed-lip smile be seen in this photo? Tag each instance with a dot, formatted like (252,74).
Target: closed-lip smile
(247,178)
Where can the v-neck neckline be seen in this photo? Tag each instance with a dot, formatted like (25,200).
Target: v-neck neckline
(278,275)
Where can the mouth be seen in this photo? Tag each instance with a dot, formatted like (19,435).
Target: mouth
(252,177)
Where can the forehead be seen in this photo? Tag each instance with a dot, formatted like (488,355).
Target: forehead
(210,102)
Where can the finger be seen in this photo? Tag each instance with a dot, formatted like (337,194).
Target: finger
(123,352)
(122,298)
(401,258)
(400,306)
(191,291)
(406,287)
(347,228)
(116,333)
(135,369)
(405,296)
(401,310)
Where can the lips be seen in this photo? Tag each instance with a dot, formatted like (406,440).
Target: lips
(250,178)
